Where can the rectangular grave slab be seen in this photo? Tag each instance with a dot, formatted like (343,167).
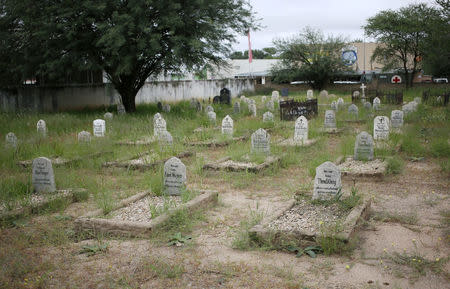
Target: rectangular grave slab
(216,142)
(226,164)
(142,161)
(355,169)
(92,223)
(58,161)
(301,237)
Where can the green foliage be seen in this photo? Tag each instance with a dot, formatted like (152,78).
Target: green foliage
(310,57)
(265,53)
(91,250)
(394,165)
(177,239)
(311,251)
(242,240)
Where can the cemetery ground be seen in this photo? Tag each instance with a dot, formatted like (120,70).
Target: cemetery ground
(404,243)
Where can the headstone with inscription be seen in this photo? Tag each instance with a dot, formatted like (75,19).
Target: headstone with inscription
(270,105)
(84,137)
(330,119)
(237,107)
(334,106)
(260,142)
(363,147)
(10,140)
(120,109)
(43,178)
(301,129)
(263,99)
(159,125)
(227,125)
(327,183)
(108,115)
(397,119)
(381,128)
(275,94)
(174,177)
(356,94)
(165,138)
(99,127)
(155,117)
(209,109)
(267,116)
(309,94)
(41,128)
(212,116)
(323,93)
(353,110)
(376,103)
(252,108)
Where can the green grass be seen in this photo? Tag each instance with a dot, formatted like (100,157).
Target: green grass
(394,165)
(242,240)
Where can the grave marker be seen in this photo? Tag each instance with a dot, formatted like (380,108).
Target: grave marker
(99,127)
(166,107)
(323,93)
(209,109)
(165,138)
(334,106)
(381,128)
(108,115)
(212,116)
(260,142)
(301,129)
(363,147)
(353,110)
(120,109)
(340,102)
(275,94)
(267,116)
(291,110)
(43,178)
(237,107)
(41,128)
(174,176)
(227,125)
(327,183)
(367,105)
(363,87)
(285,92)
(270,105)
(10,140)
(84,137)
(309,94)
(159,126)
(252,108)
(396,119)
(263,99)
(330,119)
(376,103)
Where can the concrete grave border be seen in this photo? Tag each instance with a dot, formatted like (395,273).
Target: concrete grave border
(125,164)
(90,223)
(59,161)
(291,143)
(261,232)
(368,174)
(220,165)
(216,143)
(141,141)
(60,195)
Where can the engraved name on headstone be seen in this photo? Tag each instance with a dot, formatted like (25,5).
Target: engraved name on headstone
(227,125)
(363,147)
(159,126)
(99,127)
(397,119)
(43,179)
(260,142)
(267,116)
(327,182)
(330,119)
(10,140)
(381,128)
(301,129)
(174,176)
(84,137)
(41,128)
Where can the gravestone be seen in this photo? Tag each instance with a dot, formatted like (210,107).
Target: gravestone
(237,107)
(323,93)
(155,117)
(327,183)
(285,92)
(367,105)
(41,128)
(43,179)
(330,119)
(407,108)
(381,128)
(252,108)
(275,94)
(260,142)
(84,137)
(270,105)
(159,126)
(99,127)
(376,103)
(334,106)
(397,119)
(356,94)
(263,99)
(301,129)
(227,125)
(120,109)
(174,176)
(363,88)
(309,94)
(165,138)
(10,140)
(363,147)
(209,109)
(212,116)
(108,115)
(225,96)
(267,116)
(340,102)
(414,105)
(166,108)
(353,110)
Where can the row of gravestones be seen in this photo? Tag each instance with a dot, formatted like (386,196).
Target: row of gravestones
(267,116)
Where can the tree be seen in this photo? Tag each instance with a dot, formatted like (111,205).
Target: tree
(128,39)
(402,36)
(310,56)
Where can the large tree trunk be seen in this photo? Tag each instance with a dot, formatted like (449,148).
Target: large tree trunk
(129,100)
(125,85)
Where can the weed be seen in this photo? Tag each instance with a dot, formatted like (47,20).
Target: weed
(91,250)
(330,243)
(178,240)
(394,165)
(162,269)
(406,218)
(242,240)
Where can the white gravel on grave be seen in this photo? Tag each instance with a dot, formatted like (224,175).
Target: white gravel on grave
(363,167)
(34,199)
(307,217)
(139,211)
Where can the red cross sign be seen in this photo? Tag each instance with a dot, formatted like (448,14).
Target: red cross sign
(396,79)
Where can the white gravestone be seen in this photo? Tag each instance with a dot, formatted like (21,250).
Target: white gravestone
(396,119)
(270,105)
(155,117)
(301,129)
(212,116)
(363,147)
(275,94)
(376,103)
(41,128)
(334,106)
(252,108)
(353,110)
(159,126)
(165,138)
(237,107)
(120,109)
(99,127)
(43,178)
(260,142)
(268,116)
(407,108)
(356,94)
(108,115)
(327,182)
(309,94)
(381,128)
(84,137)
(263,99)
(209,109)
(363,87)
(10,140)
(330,119)
(174,176)
(323,93)
(227,125)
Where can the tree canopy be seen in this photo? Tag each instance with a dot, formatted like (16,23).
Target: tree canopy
(128,39)
(265,53)
(310,57)
(403,35)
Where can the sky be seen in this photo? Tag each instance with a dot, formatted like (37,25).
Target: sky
(286,18)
